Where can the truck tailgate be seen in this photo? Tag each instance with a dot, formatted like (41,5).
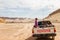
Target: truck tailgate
(43,30)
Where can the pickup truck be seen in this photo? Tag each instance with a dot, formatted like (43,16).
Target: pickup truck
(44,29)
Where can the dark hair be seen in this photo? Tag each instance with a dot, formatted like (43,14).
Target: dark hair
(36,19)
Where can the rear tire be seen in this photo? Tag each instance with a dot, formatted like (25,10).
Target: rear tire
(53,37)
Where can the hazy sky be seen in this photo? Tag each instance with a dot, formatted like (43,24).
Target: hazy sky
(28,8)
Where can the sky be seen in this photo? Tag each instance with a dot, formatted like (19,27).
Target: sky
(28,8)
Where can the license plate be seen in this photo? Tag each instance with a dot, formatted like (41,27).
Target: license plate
(43,30)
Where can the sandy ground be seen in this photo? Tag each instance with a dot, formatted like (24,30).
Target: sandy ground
(21,31)
(16,31)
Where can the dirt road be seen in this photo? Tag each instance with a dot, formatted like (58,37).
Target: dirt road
(21,31)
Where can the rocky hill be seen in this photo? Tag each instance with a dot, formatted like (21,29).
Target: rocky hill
(54,16)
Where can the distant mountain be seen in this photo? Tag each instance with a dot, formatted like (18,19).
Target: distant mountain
(54,16)
(16,19)
(13,18)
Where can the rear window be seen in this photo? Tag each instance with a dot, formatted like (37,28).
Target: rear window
(44,24)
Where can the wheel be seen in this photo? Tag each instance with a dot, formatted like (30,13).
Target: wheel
(53,37)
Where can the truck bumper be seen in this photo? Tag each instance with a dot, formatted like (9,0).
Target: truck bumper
(44,35)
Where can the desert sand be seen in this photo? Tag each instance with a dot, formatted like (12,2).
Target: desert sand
(21,31)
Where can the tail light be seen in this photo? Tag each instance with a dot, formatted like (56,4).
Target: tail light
(32,31)
(54,30)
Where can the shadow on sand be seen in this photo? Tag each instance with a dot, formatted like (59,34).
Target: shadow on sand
(31,38)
